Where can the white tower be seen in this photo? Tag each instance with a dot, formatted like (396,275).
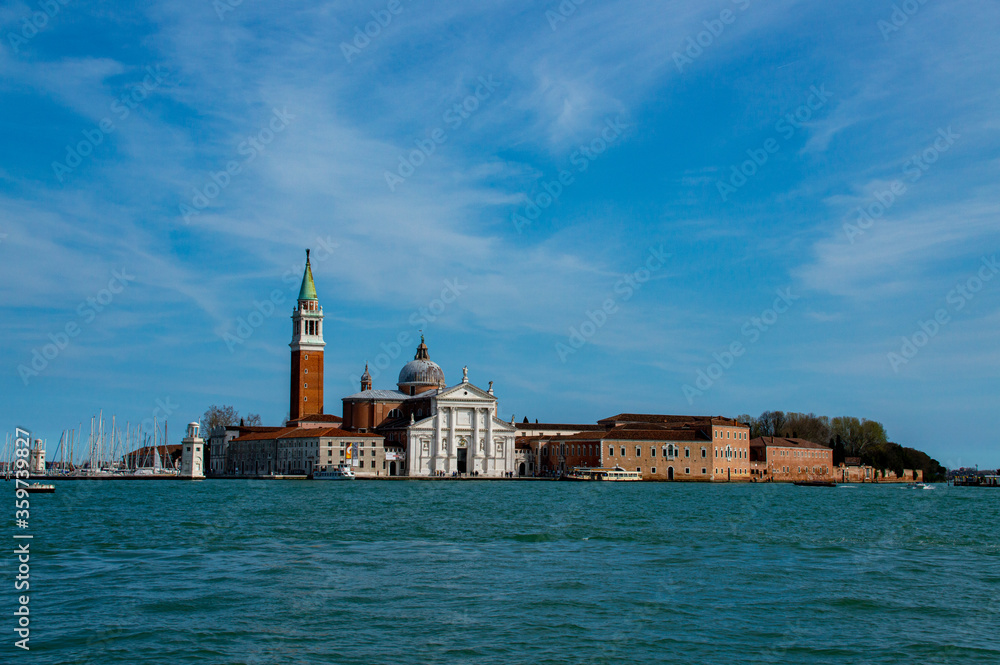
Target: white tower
(36,460)
(192,454)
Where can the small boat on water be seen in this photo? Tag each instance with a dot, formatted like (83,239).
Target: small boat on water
(616,474)
(919,486)
(342,472)
(814,483)
(39,488)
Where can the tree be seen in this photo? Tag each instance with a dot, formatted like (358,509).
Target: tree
(218,416)
(872,436)
(849,430)
(807,426)
(253,420)
(772,423)
(839,454)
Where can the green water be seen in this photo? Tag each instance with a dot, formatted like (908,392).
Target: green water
(508,572)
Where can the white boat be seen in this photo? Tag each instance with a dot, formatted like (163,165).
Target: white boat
(616,474)
(342,472)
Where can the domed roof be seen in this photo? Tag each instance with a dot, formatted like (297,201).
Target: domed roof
(421,371)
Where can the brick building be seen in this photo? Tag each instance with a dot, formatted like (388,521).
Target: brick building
(661,447)
(782,459)
(305,450)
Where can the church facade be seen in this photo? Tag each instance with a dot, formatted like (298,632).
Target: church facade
(422,428)
(435,429)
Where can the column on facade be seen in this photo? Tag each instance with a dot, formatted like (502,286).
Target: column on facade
(477,448)
(452,442)
(437,448)
(489,439)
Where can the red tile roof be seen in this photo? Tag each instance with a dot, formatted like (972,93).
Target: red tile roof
(306,433)
(555,426)
(624,418)
(317,418)
(635,433)
(785,442)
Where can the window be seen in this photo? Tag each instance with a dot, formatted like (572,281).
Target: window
(653,470)
(638,469)
(704,471)
(704,452)
(611,451)
(638,451)
(305,385)
(652,452)
(305,371)
(687,451)
(305,399)
(687,470)
(623,451)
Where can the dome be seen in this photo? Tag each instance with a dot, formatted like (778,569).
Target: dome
(424,372)
(421,373)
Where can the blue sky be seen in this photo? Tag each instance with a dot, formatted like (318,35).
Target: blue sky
(119,220)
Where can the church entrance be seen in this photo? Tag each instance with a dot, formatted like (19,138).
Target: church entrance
(520,469)
(670,473)
(463,457)
(392,468)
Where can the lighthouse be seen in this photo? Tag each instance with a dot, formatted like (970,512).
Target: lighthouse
(192,454)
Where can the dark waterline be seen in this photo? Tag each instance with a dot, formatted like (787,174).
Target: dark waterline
(485,572)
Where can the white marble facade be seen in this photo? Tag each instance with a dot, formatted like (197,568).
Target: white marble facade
(463,435)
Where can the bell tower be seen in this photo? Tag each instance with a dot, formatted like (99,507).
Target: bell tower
(307,351)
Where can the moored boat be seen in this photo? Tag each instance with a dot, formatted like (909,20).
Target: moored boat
(814,483)
(616,474)
(342,472)
(39,488)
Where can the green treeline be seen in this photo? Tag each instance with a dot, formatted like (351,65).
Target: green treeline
(849,437)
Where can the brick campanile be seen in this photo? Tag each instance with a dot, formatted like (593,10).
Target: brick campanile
(307,351)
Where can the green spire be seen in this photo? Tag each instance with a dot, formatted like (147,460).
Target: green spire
(308,290)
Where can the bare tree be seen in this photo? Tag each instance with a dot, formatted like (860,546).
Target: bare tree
(218,416)
(772,423)
(253,419)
